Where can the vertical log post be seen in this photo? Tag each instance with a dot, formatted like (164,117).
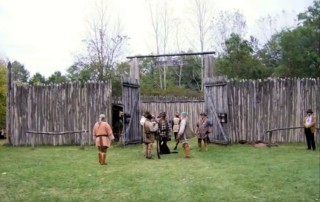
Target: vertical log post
(209,67)
(134,69)
(270,138)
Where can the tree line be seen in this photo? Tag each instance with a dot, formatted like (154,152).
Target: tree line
(290,52)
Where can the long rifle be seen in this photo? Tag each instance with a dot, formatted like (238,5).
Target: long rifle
(158,142)
(175,148)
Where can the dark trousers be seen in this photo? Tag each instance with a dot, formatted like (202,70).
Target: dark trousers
(310,138)
(175,135)
(164,149)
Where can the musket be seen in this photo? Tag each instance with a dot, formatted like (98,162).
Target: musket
(158,138)
(175,148)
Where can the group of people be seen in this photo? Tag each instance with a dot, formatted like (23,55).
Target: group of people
(160,128)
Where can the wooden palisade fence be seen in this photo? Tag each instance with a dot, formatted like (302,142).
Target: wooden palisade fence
(55,108)
(252,107)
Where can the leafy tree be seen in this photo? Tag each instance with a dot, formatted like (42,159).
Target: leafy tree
(240,61)
(296,52)
(298,55)
(3,93)
(37,79)
(122,69)
(80,72)
(56,78)
(191,75)
(19,73)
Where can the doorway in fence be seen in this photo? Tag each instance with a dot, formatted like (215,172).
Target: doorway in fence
(117,121)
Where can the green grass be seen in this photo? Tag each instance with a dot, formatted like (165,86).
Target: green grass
(224,173)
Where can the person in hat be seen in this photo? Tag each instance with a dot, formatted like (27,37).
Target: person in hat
(176,125)
(309,122)
(204,127)
(150,129)
(164,130)
(102,132)
(182,134)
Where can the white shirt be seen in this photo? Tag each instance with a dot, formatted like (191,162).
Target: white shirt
(309,120)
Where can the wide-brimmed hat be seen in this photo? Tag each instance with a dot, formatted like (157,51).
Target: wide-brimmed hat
(203,114)
(147,115)
(309,111)
(163,114)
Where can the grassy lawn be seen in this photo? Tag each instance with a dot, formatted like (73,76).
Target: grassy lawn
(224,173)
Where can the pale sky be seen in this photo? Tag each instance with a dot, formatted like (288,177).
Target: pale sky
(44,35)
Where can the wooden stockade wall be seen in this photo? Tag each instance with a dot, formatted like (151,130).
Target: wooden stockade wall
(252,107)
(256,106)
(65,107)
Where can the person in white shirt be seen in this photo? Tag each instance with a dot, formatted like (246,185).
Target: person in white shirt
(309,123)
(182,136)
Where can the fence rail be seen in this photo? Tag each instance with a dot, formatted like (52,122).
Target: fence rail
(54,133)
(278,129)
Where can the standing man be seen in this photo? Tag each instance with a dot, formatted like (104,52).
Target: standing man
(204,127)
(164,130)
(309,123)
(149,132)
(102,131)
(182,137)
(176,125)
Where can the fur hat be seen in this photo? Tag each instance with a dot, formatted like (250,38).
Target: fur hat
(309,111)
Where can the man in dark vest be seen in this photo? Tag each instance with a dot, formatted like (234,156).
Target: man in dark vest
(164,130)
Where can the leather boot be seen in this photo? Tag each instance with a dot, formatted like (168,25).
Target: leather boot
(149,148)
(99,158)
(206,146)
(186,150)
(103,159)
(199,146)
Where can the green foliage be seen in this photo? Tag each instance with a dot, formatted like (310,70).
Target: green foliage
(240,61)
(296,52)
(232,173)
(19,72)
(56,78)
(37,79)
(79,72)
(299,56)
(3,94)
(116,86)
(172,91)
